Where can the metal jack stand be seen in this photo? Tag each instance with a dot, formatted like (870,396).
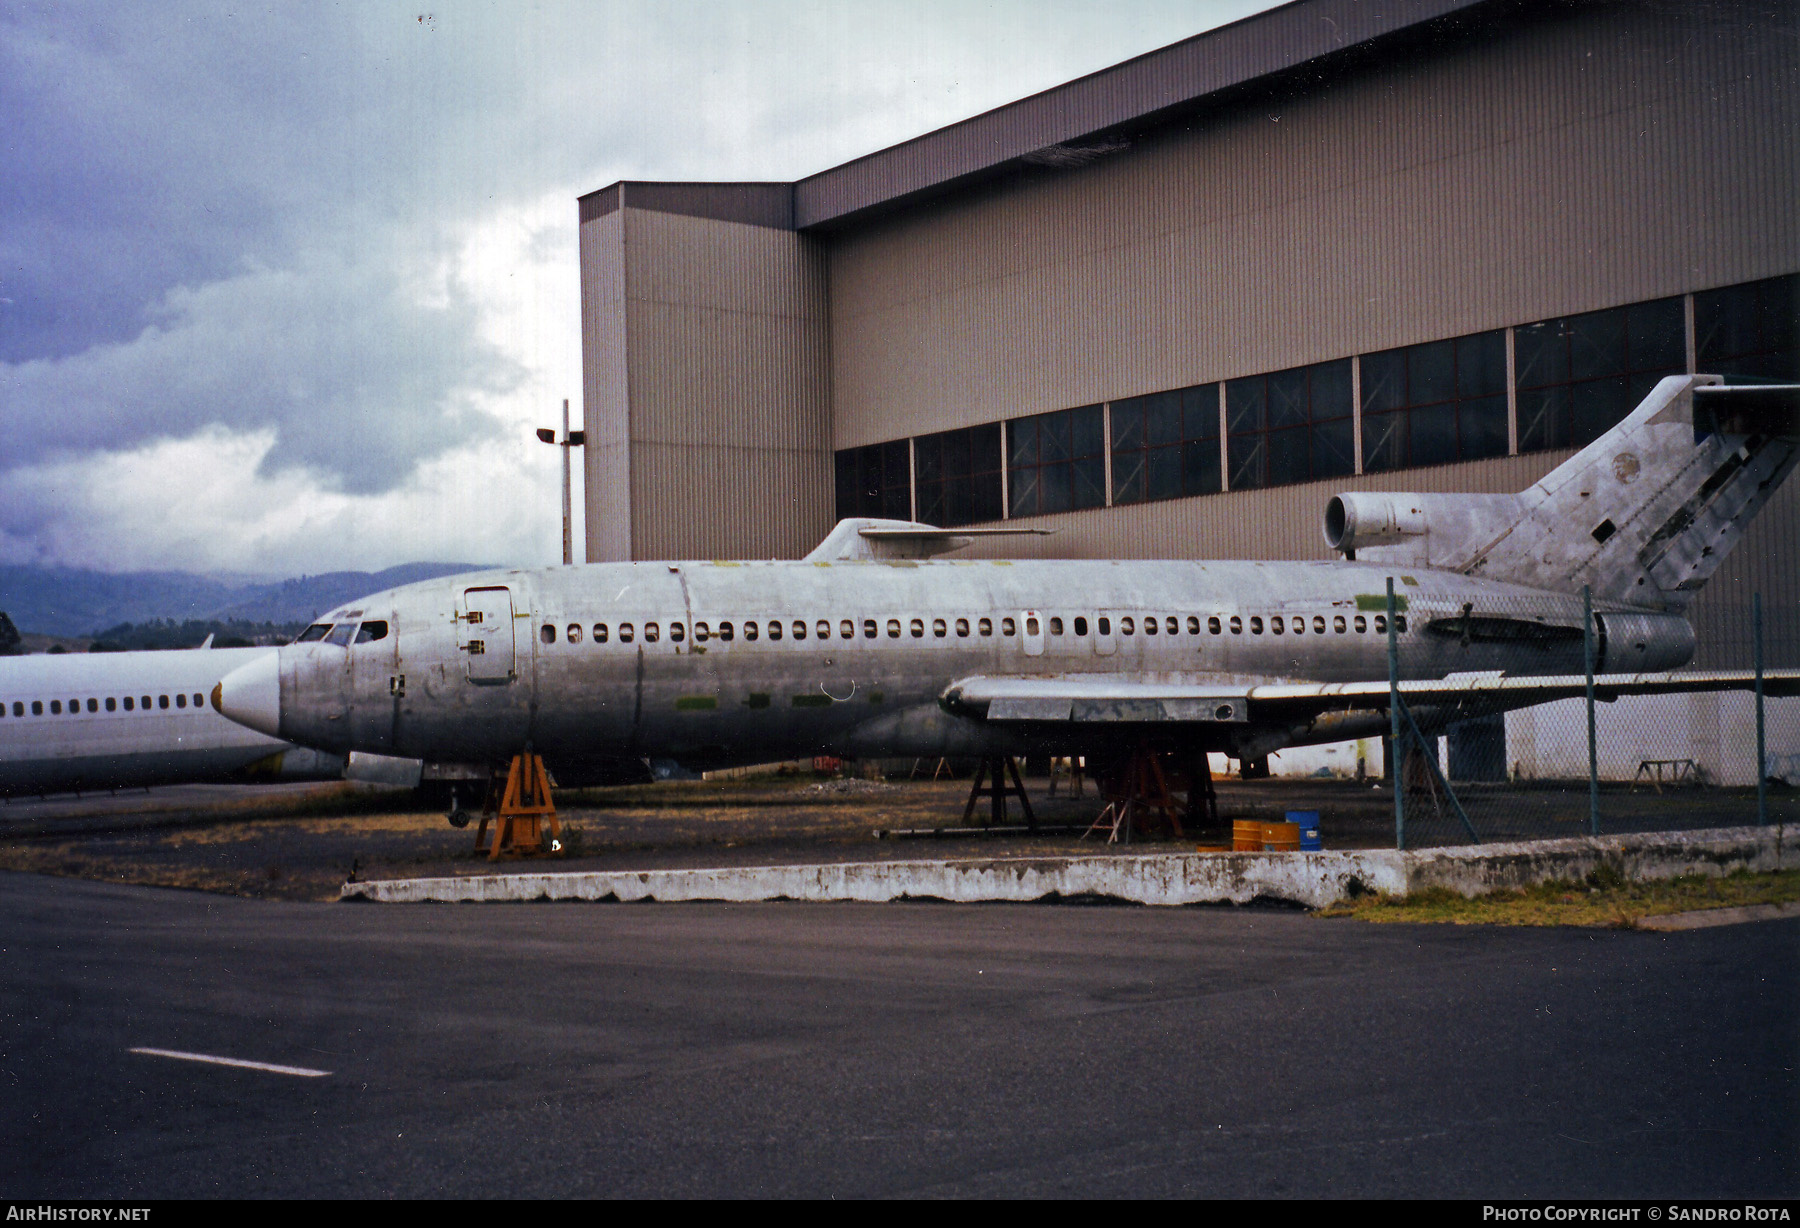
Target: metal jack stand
(997,766)
(524,810)
(1140,790)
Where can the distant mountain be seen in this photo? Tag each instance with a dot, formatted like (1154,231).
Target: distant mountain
(74,602)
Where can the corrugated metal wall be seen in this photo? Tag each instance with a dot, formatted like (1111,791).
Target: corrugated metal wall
(1599,156)
(711,388)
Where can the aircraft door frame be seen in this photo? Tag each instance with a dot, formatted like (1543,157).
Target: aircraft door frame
(1106,642)
(484,617)
(1032,642)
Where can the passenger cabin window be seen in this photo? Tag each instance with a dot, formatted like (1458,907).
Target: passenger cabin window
(1362,624)
(317,631)
(1237,625)
(93,705)
(128,703)
(599,633)
(1275,625)
(1031,627)
(893,628)
(1150,625)
(823,629)
(112,705)
(625,633)
(1214,625)
(1337,624)
(376,629)
(1008,627)
(1127,626)
(1080,625)
(1318,624)
(918,628)
(868,628)
(547,633)
(181,701)
(56,707)
(1055,625)
(1103,625)
(725,632)
(652,632)
(572,632)
(847,629)
(752,630)
(702,632)
(1193,624)
(1256,626)
(162,701)
(199,702)
(37,707)
(340,635)
(677,633)
(1381,624)
(774,630)
(799,628)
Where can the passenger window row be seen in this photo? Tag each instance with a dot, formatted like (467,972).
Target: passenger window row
(130,703)
(964,628)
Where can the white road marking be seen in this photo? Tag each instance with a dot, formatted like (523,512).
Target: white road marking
(302,1071)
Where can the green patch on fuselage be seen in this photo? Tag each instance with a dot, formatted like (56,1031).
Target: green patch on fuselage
(1376,603)
(696,703)
(756,699)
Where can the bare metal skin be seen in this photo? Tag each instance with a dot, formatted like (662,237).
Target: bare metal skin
(869,646)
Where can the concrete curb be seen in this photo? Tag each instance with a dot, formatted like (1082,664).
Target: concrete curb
(1310,879)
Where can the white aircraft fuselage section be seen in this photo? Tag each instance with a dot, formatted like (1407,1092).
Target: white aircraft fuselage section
(103,720)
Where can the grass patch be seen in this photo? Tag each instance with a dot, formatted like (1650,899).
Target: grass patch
(1604,898)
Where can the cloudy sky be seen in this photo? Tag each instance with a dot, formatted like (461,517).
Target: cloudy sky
(286,289)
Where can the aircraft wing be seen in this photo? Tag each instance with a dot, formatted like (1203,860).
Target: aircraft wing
(1215,700)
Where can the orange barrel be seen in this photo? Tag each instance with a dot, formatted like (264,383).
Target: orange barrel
(1246,836)
(1281,837)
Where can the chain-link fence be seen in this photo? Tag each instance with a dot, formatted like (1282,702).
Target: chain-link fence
(1603,760)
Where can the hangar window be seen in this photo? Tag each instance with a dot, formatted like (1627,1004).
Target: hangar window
(1080,625)
(599,633)
(1752,329)
(677,633)
(1166,445)
(846,629)
(774,629)
(317,631)
(547,633)
(1056,462)
(875,481)
(893,628)
(751,629)
(1008,627)
(958,475)
(626,632)
(939,628)
(918,628)
(1290,426)
(868,628)
(652,633)
(1579,376)
(377,629)
(1435,403)
(725,631)
(985,626)
(572,632)
(112,705)
(702,632)
(962,628)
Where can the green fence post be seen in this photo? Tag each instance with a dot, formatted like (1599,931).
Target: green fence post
(1587,642)
(1395,746)
(1762,754)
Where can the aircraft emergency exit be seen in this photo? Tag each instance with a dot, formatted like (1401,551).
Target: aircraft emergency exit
(874,646)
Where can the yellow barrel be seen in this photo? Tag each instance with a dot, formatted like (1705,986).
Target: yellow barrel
(1281,837)
(1246,836)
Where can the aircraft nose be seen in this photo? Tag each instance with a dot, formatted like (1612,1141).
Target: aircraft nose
(251,695)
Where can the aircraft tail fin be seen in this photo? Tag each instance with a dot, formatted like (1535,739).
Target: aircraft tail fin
(1644,514)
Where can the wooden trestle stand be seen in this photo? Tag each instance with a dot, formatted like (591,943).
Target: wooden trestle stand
(521,814)
(998,766)
(1140,792)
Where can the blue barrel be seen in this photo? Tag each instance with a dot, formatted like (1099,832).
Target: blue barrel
(1309,829)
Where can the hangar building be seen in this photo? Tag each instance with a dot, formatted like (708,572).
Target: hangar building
(1170,308)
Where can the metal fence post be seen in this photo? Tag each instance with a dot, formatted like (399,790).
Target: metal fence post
(1762,754)
(1587,642)
(1398,749)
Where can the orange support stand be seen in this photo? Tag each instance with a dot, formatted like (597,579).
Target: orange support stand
(524,811)
(1140,792)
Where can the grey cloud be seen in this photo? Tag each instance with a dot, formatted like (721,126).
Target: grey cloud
(359,378)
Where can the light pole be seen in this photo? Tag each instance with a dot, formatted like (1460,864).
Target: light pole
(570,439)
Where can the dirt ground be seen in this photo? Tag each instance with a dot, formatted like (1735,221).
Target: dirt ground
(302,844)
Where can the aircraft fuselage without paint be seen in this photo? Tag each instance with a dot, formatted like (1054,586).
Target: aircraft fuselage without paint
(871,647)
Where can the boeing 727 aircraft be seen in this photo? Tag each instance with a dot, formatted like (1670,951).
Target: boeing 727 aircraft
(871,646)
(115,719)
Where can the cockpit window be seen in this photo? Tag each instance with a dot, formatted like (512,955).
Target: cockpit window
(340,634)
(317,631)
(374,629)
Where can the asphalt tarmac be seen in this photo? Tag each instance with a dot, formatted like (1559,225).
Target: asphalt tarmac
(892,1050)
